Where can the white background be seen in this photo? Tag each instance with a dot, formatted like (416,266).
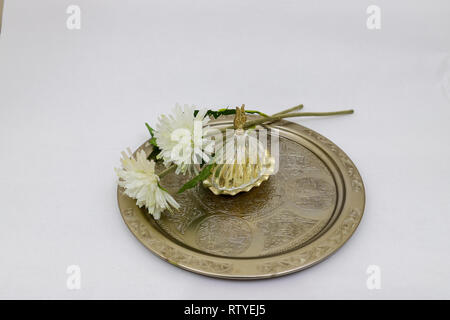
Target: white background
(71,101)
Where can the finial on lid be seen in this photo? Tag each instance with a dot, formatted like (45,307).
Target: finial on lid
(240,118)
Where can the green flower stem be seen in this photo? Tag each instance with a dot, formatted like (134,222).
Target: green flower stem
(167,171)
(296,114)
(256,112)
(284,114)
(296,108)
(299,107)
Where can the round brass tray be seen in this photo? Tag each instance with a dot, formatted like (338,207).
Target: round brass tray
(299,217)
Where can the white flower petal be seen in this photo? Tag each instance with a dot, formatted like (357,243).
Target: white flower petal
(175,137)
(140,181)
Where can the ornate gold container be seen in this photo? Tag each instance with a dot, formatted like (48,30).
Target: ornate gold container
(248,167)
(243,162)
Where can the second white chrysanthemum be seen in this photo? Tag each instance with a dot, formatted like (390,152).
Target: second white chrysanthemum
(182,138)
(139,180)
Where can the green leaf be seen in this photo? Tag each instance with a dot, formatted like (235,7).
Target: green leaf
(223,112)
(156,150)
(152,134)
(205,173)
(153,141)
(162,188)
(217,113)
(153,155)
(256,112)
(227,111)
(150,130)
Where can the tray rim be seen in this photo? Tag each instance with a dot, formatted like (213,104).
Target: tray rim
(342,229)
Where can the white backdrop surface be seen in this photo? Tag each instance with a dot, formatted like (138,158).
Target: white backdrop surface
(72,100)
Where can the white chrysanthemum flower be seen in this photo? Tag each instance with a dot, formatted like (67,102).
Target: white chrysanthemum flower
(137,176)
(182,138)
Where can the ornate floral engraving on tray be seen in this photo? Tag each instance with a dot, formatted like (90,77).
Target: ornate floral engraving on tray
(323,247)
(314,193)
(284,228)
(224,234)
(351,171)
(173,255)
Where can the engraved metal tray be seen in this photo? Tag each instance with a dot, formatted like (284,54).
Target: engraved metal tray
(299,217)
